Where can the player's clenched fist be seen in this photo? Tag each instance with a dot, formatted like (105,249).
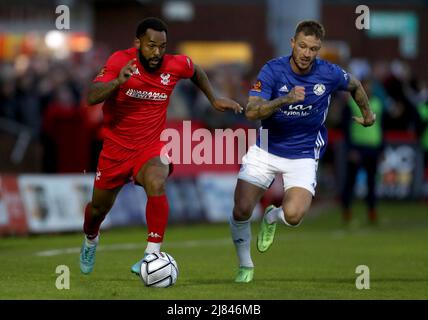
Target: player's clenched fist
(366,121)
(127,71)
(296,94)
(222,104)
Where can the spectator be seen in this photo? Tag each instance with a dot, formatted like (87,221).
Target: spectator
(363,148)
(67,134)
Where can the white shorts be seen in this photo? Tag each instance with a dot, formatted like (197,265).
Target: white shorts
(260,167)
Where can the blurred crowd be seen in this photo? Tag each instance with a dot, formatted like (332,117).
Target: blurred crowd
(402,95)
(403,101)
(47,96)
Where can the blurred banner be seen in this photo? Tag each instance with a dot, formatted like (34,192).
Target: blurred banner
(12,213)
(55,203)
(400,171)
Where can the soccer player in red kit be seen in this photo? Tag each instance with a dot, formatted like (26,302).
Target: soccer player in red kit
(135,85)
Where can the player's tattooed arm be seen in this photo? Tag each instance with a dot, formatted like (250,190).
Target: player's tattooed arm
(359,95)
(259,108)
(100,91)
(200,79)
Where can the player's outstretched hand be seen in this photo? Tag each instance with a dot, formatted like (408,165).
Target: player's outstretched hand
(366,122)
(127,71)
(222,104)
(296,94)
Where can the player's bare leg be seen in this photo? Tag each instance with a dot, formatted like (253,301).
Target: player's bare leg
(152,176)
(295,204)
(95,212)
(246,198)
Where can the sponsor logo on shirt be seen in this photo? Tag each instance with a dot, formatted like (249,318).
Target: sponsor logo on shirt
(298,110)
(257,86)
(146,95)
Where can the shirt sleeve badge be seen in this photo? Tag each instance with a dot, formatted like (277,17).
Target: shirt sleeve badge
(257,86)
(101,73)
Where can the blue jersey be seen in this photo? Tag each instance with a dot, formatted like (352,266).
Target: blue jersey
(297,130)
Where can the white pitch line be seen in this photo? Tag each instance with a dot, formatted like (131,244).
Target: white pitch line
(335,234)
(133,246)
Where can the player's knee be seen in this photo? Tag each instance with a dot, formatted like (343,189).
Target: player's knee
(294,214)
(99,210)
(242,211)
(294,220)
(155,186)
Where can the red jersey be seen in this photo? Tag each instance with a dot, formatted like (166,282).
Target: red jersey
(135,114)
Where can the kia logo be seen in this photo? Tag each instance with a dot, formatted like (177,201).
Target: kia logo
(300,107)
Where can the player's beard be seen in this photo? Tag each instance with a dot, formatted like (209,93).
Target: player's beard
(305,70)
(145,63)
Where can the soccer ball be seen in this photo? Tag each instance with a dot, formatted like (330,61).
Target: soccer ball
(159,270)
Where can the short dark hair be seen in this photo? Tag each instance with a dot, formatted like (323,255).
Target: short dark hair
(310,28)
(151,23)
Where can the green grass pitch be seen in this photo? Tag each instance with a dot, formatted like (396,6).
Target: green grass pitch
(317,260)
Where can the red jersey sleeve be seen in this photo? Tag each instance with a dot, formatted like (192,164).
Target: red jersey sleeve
(111,69)
(186,66)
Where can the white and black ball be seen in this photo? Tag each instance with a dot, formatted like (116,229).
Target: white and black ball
(159,270)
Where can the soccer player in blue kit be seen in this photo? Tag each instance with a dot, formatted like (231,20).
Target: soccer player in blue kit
(291,98)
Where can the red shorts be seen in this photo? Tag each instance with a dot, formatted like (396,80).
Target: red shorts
(118,166)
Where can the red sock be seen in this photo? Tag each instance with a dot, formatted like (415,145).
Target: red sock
(157,217)
(91,226)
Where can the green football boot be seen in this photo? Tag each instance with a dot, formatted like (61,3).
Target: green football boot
(245,275)
(266,233)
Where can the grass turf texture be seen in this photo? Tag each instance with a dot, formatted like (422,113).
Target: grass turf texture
(317,260)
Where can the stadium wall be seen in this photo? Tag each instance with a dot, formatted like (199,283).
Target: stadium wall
(339,21)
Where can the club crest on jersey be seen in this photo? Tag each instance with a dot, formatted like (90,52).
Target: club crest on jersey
(319,89)
(165,78)
(136,71)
